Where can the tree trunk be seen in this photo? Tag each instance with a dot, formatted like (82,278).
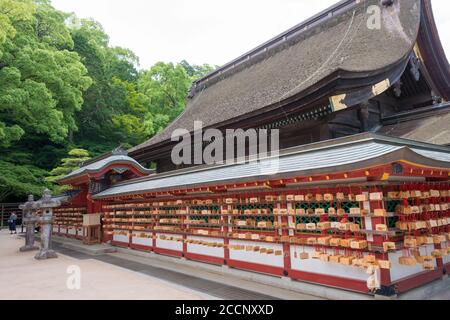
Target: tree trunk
(70,137)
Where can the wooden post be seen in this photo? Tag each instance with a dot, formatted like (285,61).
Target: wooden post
(93,235)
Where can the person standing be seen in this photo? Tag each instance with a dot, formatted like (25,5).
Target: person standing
(12,223)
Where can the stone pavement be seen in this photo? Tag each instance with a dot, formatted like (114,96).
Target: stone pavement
(194,275)
(104,276)
(129,274)
(23,277)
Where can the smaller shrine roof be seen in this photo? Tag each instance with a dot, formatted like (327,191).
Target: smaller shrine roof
(97,165)
(62,198)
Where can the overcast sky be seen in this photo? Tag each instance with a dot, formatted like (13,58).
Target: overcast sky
(206,31)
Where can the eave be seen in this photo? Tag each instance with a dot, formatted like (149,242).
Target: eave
(432,53)
(328,160)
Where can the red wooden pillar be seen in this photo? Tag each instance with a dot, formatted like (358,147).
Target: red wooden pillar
(439,261)
(130,232)
(438,215)
(90,204)
(153,241)
(183,228)
(185,245)
(155,224)
(225,221)
(103,231)
(286,245)
(377,239)
(385,274)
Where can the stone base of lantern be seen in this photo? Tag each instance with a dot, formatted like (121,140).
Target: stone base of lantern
(44,255)
(28,248)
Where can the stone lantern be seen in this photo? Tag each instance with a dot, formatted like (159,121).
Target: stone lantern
(29,219)
(46,205)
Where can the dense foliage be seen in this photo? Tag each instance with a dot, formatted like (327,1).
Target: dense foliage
(63,87)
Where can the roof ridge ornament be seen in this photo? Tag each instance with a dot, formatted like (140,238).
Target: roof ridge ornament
(119,151)
(192,91)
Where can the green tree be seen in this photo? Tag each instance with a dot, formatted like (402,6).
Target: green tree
(74,161)
(50,27)
(41,80)
(62,85)
(197,71)
(18,181)
(21,173)
(105,102)
(166,85)
(11,12)
(132,123)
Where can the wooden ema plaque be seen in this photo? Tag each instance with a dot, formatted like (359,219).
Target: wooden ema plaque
(91,220)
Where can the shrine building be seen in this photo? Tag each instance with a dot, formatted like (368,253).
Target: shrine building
(362,175)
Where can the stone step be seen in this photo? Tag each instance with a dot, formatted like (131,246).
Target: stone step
(97,249)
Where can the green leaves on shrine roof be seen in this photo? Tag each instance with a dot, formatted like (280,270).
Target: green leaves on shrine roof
(75,159)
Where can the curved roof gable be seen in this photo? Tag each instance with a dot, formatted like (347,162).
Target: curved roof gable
(108,162)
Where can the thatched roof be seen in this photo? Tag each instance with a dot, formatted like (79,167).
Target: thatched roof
(334,45)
